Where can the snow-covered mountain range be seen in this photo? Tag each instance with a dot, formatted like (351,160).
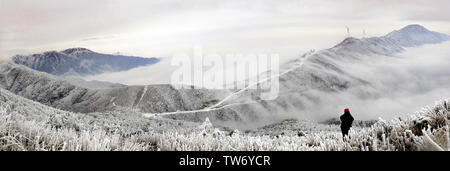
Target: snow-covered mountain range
(80,61)
(330,79)
(313,81)
(57,92)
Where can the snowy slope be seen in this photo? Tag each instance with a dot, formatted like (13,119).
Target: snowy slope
(27,125)
(80,61)
(57,92)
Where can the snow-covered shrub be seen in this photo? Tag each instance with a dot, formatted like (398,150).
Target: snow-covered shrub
(384,135)
(28,125)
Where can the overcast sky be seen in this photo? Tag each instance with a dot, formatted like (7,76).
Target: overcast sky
(162,28)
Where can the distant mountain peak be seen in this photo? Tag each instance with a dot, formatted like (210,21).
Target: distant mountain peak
(415,35)
(347,41)
(76,50)
(410,30)
(51,53)
(408,36)
(414,27)
(80,61)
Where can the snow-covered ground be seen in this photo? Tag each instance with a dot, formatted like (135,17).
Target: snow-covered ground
(28,125)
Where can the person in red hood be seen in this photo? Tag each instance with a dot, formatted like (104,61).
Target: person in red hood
(346,122)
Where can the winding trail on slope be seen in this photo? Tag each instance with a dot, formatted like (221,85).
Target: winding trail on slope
(194,111)
(216,106)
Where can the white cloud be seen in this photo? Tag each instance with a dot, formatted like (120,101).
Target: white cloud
(404,83)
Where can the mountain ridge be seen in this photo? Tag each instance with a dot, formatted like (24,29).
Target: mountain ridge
(80,61)
(62,94)
(395,41)
(415,34)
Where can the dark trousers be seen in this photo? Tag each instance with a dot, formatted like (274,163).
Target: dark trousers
(345,132)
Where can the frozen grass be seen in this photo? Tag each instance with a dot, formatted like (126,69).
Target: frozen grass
(28,125)
(426,130)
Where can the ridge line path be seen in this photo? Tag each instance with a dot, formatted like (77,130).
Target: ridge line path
(216,106)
